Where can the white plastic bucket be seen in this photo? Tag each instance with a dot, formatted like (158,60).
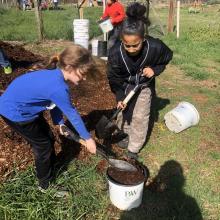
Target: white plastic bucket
(81,35)
(106,25)
(94,44)
(80,22)
(182,117)
(126,197)
(83,42)
(81,32)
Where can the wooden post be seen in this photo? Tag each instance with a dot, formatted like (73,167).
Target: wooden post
(170,18)
(81,13)
(178,19)
(39,20)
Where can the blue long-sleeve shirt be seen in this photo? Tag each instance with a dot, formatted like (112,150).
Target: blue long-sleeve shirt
(30,94)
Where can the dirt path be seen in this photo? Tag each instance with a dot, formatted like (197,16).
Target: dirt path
(94,93)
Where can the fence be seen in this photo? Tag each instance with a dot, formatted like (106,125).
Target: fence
(10,3)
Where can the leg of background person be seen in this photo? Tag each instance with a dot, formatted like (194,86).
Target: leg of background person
(114,36)
(3,59)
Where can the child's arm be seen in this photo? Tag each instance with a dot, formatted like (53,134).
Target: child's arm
(163,56)
(115,80)
(120,15)
(105,14)
(62,100)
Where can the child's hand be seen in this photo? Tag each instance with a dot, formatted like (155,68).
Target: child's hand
(91,145)
(148,72)
(121,105)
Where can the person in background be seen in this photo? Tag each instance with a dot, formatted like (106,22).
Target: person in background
(55,2)
(115,11)
(134,60)
(4,62)
(45,88)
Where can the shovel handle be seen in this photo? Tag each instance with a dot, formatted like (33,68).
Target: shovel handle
(129,96)
(125,101)
(76,138)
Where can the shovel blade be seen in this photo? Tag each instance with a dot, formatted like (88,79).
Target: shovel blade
(104,128)
(122,165)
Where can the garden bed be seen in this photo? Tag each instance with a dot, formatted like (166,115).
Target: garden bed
(92,98)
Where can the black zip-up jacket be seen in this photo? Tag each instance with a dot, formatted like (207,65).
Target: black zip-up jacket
(123,70)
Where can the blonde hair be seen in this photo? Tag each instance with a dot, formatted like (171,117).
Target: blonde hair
(75,56)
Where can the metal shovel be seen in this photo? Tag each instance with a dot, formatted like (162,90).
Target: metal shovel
(105,127)
(119,164)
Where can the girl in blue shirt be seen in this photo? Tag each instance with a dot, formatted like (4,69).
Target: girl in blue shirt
(23,102)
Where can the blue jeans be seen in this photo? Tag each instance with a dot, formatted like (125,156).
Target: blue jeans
(3,59)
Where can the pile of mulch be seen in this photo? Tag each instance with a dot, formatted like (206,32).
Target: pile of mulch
(20,60)
(92,98)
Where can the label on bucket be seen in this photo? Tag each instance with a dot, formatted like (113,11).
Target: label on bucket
(130,194)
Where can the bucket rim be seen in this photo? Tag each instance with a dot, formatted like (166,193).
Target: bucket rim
(103,20)
(194,108)
(145,173)
(78,19)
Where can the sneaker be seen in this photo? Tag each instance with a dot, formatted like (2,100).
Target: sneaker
(123,143)
(7,70)
(132,155)
(60,192)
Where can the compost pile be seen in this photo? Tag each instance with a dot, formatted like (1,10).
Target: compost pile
(92,98)
(20,60)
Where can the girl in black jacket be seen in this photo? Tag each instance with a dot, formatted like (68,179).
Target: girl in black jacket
(136,59)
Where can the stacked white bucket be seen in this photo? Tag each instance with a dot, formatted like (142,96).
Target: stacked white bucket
(95,47)
(81,32)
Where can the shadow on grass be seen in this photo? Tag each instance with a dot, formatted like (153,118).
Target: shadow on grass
(156,106)
(165,199)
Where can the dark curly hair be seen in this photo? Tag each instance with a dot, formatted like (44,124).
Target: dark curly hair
(135,22)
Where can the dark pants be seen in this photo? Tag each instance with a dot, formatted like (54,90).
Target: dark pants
(55,5)
(40,136)
(114,36)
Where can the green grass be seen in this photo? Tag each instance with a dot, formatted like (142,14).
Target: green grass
(186,164)
(196,51)
(20,198)
(21,25)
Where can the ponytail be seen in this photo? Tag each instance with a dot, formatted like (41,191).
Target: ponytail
(52,64)
(135,22)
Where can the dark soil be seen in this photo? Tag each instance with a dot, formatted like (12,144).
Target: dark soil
(92,98)
(20,60)
(127,177)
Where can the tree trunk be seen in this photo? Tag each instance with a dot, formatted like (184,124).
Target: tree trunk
(147,14)
(170,18)
(39,20)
